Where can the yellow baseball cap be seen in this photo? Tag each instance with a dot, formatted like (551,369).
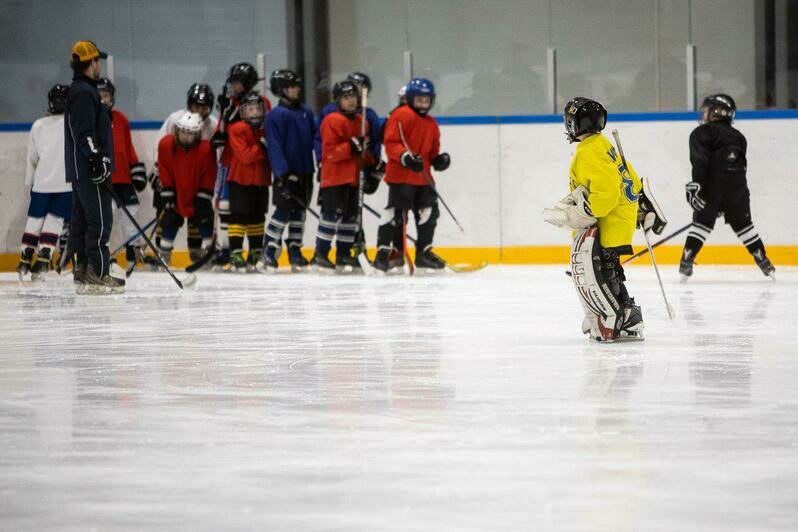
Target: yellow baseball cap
(86,51)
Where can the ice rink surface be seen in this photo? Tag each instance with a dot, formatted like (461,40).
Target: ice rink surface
(454,402)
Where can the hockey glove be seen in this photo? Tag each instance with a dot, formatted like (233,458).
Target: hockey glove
(138,176)
(358,145)
(692,191)
(441,162)
(203,205)
(219,139)
(649,214)
(290,187)
(412,162)
(99,168)
(222,102)
(168,200)
(374,175)
(572,212)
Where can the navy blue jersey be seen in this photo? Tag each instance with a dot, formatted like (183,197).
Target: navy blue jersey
(375,131)
(289,133)
(87,128)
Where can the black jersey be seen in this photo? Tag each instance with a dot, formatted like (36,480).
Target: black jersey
(717,153)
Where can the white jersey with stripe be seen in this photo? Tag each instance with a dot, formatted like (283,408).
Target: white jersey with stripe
(45,161)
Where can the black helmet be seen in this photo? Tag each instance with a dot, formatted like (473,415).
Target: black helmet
(199,94)
(105,84)
(719,107)
(582,115)
(345,88)
(361,79)
(57,98)
(281,79)
(245,73)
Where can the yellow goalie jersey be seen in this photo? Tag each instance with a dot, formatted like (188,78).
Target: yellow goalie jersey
(613,189)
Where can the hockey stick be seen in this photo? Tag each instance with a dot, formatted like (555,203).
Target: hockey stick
(429,180)
(188,281)
(362,259)
(645,234)
(132,266)
(657,243)
(120,247)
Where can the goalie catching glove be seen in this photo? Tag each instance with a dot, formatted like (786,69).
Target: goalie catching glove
(572,212)
(649,214)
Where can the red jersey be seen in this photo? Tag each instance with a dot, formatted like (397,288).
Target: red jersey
(124,152)
(226,154)
(339,165)
(186,171)
(423,138)
(249,164)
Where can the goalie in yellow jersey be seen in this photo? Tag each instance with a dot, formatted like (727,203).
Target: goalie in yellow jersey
(607,201)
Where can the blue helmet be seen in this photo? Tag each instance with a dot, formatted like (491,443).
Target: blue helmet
(420,87)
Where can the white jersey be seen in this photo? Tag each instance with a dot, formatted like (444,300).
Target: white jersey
(45,162)
(208,127)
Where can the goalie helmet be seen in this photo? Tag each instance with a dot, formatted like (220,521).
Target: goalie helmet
(345,88)
(106,85)
(420,87)
(188,124)
(199,94)
(360,79)
(245,73)
(718,108)
(583,115)
(252,109)
(57,98)
(281,79)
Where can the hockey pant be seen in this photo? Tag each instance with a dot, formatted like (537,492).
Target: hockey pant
(736,208)
(48,215)
(421,200)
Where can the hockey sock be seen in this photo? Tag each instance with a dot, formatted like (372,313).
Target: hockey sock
(328,225)
(749,236)
(695,240)
(296,231)
(222,237)
(274,231)
(51,230)
(235,233)
(193,238)
(426,221)
(345,239)
(255,236)
(33,228)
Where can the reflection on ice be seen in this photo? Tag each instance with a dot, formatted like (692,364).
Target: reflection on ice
(459,402)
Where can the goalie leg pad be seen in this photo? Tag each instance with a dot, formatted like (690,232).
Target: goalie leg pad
(603,311)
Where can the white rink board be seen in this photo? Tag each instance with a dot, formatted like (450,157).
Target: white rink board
(460,402)
(503,176)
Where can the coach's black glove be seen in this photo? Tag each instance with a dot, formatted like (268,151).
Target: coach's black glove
(441,162)
(99,168)
(692,191)
(138,176)
(412,162)
(219,139)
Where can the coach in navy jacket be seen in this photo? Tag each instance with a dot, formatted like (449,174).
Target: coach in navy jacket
(88,157)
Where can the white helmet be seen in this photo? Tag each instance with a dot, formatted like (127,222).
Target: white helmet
(191,123)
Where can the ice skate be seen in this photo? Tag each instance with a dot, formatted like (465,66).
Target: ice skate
(429,261)
(238,262)
(299,264)
(93,284)
(765,265)
(346,264)
(42,264)
(25,262)
(321,264)
(685,270)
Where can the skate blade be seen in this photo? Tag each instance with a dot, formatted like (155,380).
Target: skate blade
(683,279)
(299,269)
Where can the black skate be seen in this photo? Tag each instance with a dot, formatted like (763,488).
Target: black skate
(238,262)
(765,265)
(429,260)
(95,285)
(42,265)
(253,258)
(633,325)
(25,263)
(381,261)
(221,262)
(269,264)
(396,260)
(321,264)
(298,262)
(346,264)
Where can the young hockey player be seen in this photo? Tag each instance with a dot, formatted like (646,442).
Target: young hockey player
(343,146)
(605,204)
(249,180)
(412,144)
(129,176)
(187,172)
(199,99)
(718,156)
(290,130)
(50,194)
(88,163)
(241,80)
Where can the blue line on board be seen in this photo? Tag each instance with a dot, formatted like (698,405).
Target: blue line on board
(776,114)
